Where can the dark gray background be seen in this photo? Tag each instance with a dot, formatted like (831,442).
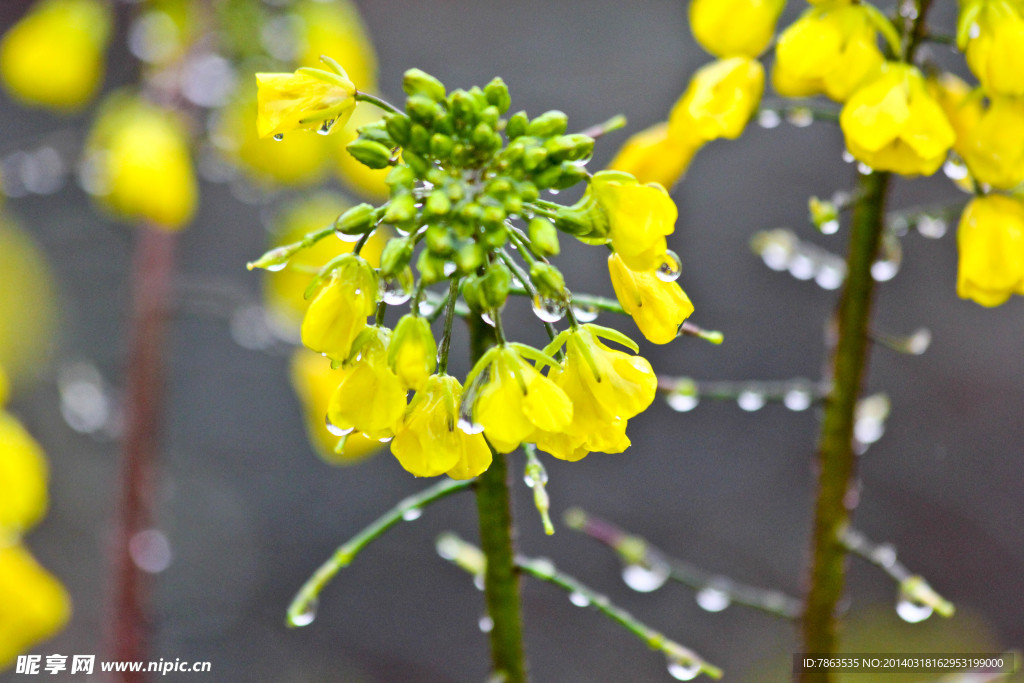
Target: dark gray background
(250,511)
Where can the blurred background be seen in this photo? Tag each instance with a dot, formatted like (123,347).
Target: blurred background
(247,509)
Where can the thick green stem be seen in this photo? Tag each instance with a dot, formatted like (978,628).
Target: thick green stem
(836,459)
(501,580)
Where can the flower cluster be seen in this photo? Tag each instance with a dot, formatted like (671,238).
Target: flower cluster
(465,180)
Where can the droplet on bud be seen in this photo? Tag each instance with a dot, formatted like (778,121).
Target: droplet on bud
(683,671)
(585,313)
(548,310)
(912,611)
(307,615)
(670,268)
(801,117)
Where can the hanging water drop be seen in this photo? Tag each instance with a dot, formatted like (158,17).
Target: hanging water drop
(449,268)
(585,313)
(278,137)
(644,578)
(478,582)
(544,567)
(670,268)
(768,119)
(325,127)
(931,227)
(829,227)
(579,599)
(683,671)
(682,402)
(797,399)
(533,477)
(276,267)
(486,624)
(334,429)
(912,611)
(447,547)
(345,237)
(830,276)
(548,310)
(750,400)
(801,117)
(426,308)
(847,157)
(488,318)
(955,169)
(307,615)
(712,600)
(883,271)
(393,292)
(412,514)
(801,266)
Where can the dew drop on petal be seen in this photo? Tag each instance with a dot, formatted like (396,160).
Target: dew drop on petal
(325,127)
(670,268)
(683,671)
(308,614)
(279,137)
(712,600)
(579,599)
(645,578)
(912,611)
(334,429)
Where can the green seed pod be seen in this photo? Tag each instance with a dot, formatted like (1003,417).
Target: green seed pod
(517,125)
(422,109)
(395,257)
(543,235)
(548,280)
(495,285)
(358,220)
(369,153)
(497,95)
(437,203)
(398,126)
(469,257)
(441,146)
(430,267)
(418,82)
(438,239)
(549,123)
(401,209)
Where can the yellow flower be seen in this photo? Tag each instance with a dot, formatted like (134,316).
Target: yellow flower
(430,443)
(306,99)
(893,124)
(720,99)
(514,400)
(53,57)
(139,159)
(991,33)
(994,148)
(658,307)
(727,28)
(338,312)
(369,397)
(991,243)
(412,354)
(653,156)
(336,29)
(961,103)
(33,604)
(5,386)
(832,48)
(606,387)
(314,382)
(23,475)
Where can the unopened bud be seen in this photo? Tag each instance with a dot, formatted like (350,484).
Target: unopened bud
(398,127)
(369,153)
(395,257)
(273,260)
(548,280)
(431,267)
(358,220)
(496,93)
(516,125)
(549,123)
(544,236)
(401,209)
(469,257)
(437,203)
(419,82)
(494,286)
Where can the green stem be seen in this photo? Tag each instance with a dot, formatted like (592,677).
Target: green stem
(449,317)
(501,582)
(301,609)
(378,102)
(835,458)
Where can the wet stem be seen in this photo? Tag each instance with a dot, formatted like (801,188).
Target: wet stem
(501,579)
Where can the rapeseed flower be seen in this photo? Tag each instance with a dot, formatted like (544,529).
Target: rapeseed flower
(33,604)
(369,398)
(658,307)
(339,310)
(412,353)
(990,239)
(655,156)
(719,101)
(991,34)
(994,146)
(307,99)
(727,28)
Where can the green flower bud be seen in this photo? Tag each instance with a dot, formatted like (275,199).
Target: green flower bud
(492,215)
(544,236)
(378,132)
(528,191)
(495,237)
(369,153)
(422,109)
(548,177)
(358,220)
(499,187)
(469,257)
(471,212)
(548,280)
(430,267)
(494,286)
(441,146)
(418,82)
(517,125)
(549,123)
(274,260)
(395,257)
(455,191)
(570,147)
(437,203)
(471,292)
(489,115)
(401,209)
(400,177)
(462,105)
(496,93)
(439,240)
(419,139)
(534,157)
(420,166)
(571,175)
(513,204)
(412,351)
(482,134)
(398,126)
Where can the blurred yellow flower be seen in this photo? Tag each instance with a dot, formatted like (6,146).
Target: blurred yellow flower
(990,239)
(832,49)
(339,310)
(412,353)
(720,99)
(314,382)
(336,29)
(429,441)
(297,101)
(369,397)
(654,156)
(139,161)
(961,103)
(658,307)
(991,33)
(23,474)
(894,124)
(994,148)
(727,28)
(33,604)
(53,57)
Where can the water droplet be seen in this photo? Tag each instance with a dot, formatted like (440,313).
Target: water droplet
(486,624)
(847,157)
(585,313)
(683,671)
(864,169)
(912,611)
(797,399)
(426,308)
(867,430)
(670,268)
(931,227)
(449,268)
(397,290)
(308,614)
(829,227)
(750,400)
(84,402)
(579,599)
(552,191)
(544,567)
(768,118)
(955,169)
(345,237)
(447,546)
(883,271)
(412,514)
(682,401)
(974,31)
(278,137)
(325,127)
(830,276)
(276,267)
(488,318)
(802,267)
(334,429)
(919,342)
(478,582)
(548,310)
(385,439)
(534,476)
(801,117)
(712,600)
(150,551)
(645,578)
(885,555)
(776,256)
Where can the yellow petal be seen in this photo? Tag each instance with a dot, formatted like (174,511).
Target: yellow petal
(23,475)
(33,604)
(657,307)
